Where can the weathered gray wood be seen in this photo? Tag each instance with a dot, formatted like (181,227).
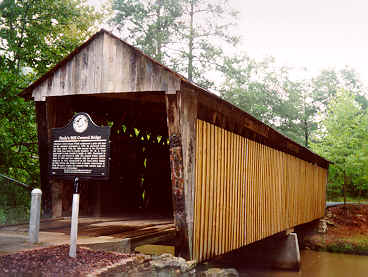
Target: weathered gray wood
(57,199)
(107,65)
(177,175)
(188,112)
(41,111)
(181,119)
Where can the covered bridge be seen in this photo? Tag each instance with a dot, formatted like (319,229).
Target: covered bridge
(178,150)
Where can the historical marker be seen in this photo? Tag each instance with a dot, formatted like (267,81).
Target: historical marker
(81,149)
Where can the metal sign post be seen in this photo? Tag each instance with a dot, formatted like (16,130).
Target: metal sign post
(74,225)
(79,150)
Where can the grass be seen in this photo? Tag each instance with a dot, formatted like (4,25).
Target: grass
(348,199)
(357,244)
(353,245)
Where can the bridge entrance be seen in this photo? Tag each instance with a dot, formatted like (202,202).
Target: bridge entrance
(139,168)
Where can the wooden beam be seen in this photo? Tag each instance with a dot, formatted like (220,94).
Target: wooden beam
(41,112)
(188,124)
(181,120)
(177,175)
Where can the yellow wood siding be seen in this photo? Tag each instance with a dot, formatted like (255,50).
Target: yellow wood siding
(246,191)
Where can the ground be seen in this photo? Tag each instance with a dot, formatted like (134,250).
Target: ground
(347,231)
(55,261)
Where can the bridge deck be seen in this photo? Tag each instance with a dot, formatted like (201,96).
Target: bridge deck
(122,233)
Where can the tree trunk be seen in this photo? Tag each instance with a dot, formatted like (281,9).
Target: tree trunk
(191,38)
(306,133)
(344,189)
(158,33)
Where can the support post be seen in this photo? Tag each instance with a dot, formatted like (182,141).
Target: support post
(41,115)
(34,220)
(181,111)
(74,225)
(280,251)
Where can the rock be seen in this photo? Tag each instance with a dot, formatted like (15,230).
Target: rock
(190,265)
(231,272)
(220,272)
(158,265)
(322,226)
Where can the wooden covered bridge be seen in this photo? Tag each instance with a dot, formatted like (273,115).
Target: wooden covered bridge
(225,178)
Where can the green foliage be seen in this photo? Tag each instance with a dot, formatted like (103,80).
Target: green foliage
(179,33)
(293,107)
(149,25)
(37,34)
(206,29)
(14,203)
(354,245)
(268,93)
(343,138)
(34,36)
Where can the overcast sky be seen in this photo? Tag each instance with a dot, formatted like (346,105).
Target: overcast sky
(315,34)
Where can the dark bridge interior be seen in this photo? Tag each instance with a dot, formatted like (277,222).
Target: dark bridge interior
(139,169)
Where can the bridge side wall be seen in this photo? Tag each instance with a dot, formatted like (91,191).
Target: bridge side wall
(246,191)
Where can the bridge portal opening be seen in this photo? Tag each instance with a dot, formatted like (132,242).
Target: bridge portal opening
(139,182)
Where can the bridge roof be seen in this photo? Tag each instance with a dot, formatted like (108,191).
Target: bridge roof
(107,64)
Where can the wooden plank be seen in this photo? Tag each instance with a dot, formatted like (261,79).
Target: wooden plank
(211,192)
(250,224)
(217,190)
(238,192)
(257,196)
(198,189)
(242,192)
(203,187)
(235,190)
(253,189)
(223,196)
(41,111)
(231,189)
(189,106)
(244,189)
(227,193)
(207,192)
(177,176)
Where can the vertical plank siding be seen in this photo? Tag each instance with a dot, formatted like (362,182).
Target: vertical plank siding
(246,191)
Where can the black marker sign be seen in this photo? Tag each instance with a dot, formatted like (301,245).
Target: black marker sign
(81,149)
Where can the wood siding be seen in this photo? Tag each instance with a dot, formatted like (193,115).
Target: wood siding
(106,65)
(246,191)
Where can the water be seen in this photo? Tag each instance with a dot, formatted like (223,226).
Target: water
(315,264)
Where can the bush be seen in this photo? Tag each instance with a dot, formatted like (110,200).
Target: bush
(14,203)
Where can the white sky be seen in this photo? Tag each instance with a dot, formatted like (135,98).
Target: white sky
(315,34)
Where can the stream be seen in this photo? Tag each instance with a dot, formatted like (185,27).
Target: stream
(315,264)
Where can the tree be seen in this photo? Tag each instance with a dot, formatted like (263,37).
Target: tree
(326,84)
(206,30)
(179,33)
(37,34)
(34,35)
(150,25)
(341,138)
(267,92)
